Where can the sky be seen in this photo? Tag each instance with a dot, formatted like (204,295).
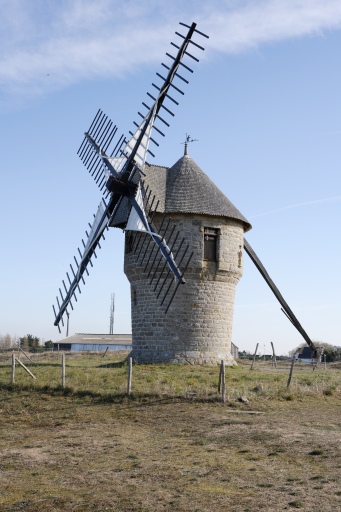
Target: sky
(264,106)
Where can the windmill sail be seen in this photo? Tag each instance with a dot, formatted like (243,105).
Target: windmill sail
(99,224)
(117,174)
(138,217)
(135,223)
(140,149)
(96,233)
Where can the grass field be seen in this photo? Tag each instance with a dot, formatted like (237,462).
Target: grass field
(171,445)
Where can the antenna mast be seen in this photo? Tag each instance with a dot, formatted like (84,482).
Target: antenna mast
(112,312)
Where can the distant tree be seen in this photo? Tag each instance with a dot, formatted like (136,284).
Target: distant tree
(297,349)
(23,343)
(338,353)
(332,353)
(7,341)
(48,344)
(29,342)
(15,341)
(245,355)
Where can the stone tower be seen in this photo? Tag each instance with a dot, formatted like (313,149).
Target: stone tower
(198,325)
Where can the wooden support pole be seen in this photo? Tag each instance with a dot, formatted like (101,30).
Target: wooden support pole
(254,357)
(130,374)
(291,370)
(13,368)
(25,368)
(106,350)
(23,351)
(222,380)
(274,362)
(63,371)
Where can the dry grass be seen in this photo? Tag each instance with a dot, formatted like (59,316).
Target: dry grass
(93,449)
(95,375)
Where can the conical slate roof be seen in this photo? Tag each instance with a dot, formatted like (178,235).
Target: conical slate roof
(190,190)
(183,188)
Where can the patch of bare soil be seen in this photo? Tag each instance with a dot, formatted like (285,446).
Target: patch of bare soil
(72,454)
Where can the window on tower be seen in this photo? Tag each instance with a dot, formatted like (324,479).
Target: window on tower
(211,244)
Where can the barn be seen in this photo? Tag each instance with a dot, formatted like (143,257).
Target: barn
(94,342)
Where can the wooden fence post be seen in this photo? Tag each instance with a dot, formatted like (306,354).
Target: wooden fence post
(291,370)
(254,357)
(63,371)
(274,362)
(13,368)
(222,380)
(130,373)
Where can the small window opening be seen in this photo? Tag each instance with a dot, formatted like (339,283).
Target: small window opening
(240,257)
(210,244)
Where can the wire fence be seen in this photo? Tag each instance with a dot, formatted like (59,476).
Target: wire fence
(110,375)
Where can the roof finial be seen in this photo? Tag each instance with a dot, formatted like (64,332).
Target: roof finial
(187,141)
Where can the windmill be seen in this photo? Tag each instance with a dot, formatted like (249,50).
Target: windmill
(119,175)
(157,252)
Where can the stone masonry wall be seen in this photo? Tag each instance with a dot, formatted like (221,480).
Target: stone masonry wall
(198,325)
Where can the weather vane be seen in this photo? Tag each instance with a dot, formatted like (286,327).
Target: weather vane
(187,141)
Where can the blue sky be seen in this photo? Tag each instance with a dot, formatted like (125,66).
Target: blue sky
(264,104)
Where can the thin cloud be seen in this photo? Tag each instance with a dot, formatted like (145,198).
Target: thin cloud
(256,23)
(82,39)
(324,200)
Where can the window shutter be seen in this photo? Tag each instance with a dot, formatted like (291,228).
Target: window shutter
(210,244)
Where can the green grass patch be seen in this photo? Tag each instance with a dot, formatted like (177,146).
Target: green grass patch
(94,376)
